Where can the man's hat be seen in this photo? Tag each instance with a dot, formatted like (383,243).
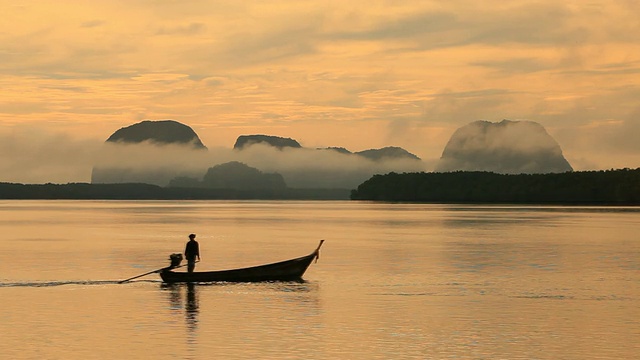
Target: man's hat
(191,236)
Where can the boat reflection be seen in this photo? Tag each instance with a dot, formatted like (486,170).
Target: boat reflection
(302,297)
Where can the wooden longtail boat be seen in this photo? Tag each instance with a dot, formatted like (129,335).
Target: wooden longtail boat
(288,270)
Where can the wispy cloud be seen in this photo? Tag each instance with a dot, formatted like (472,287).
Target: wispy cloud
(410,73)
(92,23)
(187,30)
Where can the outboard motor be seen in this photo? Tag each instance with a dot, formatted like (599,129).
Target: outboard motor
(176,259)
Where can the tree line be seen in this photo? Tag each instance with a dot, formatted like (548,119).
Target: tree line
(138,191)
(618,187)
(610,187)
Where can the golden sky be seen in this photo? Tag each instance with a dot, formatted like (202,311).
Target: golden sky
(356,74)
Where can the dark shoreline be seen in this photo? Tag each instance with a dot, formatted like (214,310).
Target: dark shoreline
(611,187)
(589,188)
(86,191)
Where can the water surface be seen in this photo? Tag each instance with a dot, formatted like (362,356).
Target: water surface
(394,281)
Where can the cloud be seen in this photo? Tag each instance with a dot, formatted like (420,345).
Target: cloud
(461,24)
(409,27)
(265,47)
(24,107)
(450,107)
(404,73)
(602,143)
(516,65)
(92,23)
(191,29)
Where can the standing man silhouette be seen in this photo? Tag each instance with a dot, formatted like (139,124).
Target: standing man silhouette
(192,252)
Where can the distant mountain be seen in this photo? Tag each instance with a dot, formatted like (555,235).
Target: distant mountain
(171,166)
(385,153)
(507,147)
(340,150)
(389,152)
(159,132)
(233,175)
(275,141)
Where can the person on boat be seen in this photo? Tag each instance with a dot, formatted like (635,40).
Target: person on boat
(192,252)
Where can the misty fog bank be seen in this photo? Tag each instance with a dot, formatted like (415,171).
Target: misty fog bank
(31,157)
(301,168)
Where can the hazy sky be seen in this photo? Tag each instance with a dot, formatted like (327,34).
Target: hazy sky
(356,74)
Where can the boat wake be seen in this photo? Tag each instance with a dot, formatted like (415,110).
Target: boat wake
(62,283)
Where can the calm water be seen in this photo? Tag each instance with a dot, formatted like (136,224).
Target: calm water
(394,281)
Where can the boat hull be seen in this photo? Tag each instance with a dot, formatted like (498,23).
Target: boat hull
(288,270)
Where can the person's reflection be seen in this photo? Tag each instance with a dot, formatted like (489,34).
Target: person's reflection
(191,308)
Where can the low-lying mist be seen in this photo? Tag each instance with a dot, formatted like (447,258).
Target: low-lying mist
(30,156)
(301,168)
